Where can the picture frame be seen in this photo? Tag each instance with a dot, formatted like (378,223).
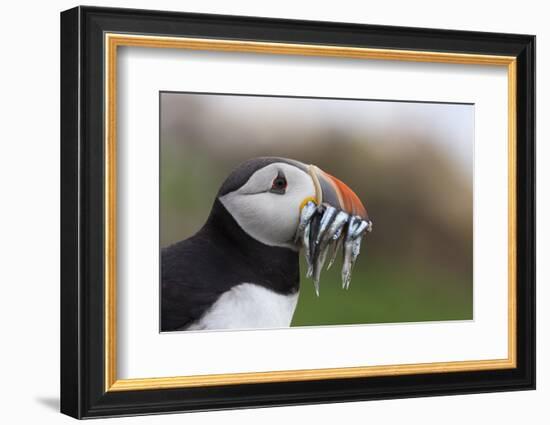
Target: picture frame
(91,38)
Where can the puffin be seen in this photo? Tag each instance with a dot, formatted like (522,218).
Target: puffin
(241,270)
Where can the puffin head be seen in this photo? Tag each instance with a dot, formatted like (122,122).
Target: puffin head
(266,197)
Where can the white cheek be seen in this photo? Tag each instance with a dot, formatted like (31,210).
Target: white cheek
(267,217)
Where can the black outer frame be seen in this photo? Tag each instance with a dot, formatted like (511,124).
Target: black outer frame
(82,219)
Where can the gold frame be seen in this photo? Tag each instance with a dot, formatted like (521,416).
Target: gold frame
(113,41)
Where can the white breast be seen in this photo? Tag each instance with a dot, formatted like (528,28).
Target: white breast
(248,306)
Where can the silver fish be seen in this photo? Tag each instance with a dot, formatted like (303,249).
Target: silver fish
(323,231)
(360,228)
(355,250)
(320,248)
(316,286)
(318,267)
(337,225)
(338,233)
(353,224)
(321,259)
(351,252)
(346,267)
(334,233)
(329,237)
(305,216)
(307,248)
(313,251)
(326,219)
(357,238)
(336,246)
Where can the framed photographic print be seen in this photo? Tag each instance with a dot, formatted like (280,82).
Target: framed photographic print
(261,212)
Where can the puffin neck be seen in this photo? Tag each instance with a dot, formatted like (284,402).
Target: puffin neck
(225,225)
(270,263)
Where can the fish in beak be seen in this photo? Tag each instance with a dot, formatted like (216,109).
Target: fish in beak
(335,220)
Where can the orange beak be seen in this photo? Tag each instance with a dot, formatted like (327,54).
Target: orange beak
(336,193)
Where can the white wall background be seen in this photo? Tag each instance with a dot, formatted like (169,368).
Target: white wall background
(29,211)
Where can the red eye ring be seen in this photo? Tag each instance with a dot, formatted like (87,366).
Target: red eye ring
(279,184)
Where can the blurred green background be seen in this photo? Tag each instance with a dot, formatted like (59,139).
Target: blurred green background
(410,163)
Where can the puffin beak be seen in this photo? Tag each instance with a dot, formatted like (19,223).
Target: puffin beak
(335,218)
(334,192)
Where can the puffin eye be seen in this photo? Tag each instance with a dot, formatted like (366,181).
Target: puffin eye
(279,184)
